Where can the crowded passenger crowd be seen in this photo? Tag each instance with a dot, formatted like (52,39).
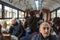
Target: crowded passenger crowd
(46,30)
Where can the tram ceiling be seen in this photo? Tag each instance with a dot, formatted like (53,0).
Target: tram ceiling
(30,4)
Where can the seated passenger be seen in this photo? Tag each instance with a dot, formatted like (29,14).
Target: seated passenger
(44,33)
(15,30)
(1,36)
(4,28)
(0,28)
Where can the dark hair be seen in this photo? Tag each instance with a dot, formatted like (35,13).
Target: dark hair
(56,21)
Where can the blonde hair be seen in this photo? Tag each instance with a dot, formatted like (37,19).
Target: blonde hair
(45,24)
(4,23)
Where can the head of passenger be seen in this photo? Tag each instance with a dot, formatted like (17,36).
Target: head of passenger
(13,21)
(56,26)
(45,29)
(4,24)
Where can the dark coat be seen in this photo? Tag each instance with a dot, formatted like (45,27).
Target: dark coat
(39,37)
(16,30)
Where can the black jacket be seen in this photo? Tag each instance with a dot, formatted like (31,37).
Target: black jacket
(16,30)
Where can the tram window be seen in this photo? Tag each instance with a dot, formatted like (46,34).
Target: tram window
(15,13)
(8,12)
(21,15)
(53,14)
(58,13)
(0,11)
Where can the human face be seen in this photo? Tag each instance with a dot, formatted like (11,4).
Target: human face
(13,21)
(45,30)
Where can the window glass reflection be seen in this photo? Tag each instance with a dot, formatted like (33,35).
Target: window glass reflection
(21,15)
(58,13)
(15,13)
(8,12)
(0,11)
(53,14)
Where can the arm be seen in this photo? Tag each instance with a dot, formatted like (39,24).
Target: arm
(10,30)
(22,31)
